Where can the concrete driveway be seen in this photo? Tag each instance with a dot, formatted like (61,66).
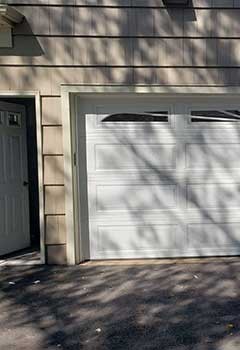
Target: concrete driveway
(186,305)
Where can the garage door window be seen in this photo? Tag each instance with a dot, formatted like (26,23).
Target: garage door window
(159,117)
(215,116)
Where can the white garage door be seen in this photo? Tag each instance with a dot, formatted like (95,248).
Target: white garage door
(163,179)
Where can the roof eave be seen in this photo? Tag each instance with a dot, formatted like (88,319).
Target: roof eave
(9,16)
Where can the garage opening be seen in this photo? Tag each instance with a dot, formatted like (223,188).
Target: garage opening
(161,177)
(19,198)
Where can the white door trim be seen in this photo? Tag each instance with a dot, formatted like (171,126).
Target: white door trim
(36,96)
(68,92)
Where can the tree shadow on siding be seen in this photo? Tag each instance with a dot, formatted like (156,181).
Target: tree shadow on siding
(125,44)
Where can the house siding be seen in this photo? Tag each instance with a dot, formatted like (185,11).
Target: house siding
(112,42)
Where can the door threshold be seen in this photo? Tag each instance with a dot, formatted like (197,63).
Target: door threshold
(26,257)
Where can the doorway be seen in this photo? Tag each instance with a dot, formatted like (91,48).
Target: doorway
(20,227)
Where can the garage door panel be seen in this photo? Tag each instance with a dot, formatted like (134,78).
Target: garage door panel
(210,126)
(140,237)
(142,135)
(169,216)
(126,241)
(216,196)
(134,197)
(211,176)
(213,156)
(211,137)
(130,139)
(211,215)
(142,176)
(221,235)
(132,156)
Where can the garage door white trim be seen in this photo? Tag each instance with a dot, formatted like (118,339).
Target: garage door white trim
(75,254)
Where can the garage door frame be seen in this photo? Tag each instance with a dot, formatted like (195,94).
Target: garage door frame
(75,250)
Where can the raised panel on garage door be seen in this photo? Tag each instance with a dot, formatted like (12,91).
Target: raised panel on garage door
(130,197)
(112,156)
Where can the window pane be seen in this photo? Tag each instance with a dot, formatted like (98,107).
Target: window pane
(14,119)
(215,116)
(137,117)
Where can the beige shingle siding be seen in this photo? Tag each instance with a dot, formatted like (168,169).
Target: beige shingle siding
(112,42)
(108,21)
(53,170)
(54,200)
(59,36)
(56,230)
